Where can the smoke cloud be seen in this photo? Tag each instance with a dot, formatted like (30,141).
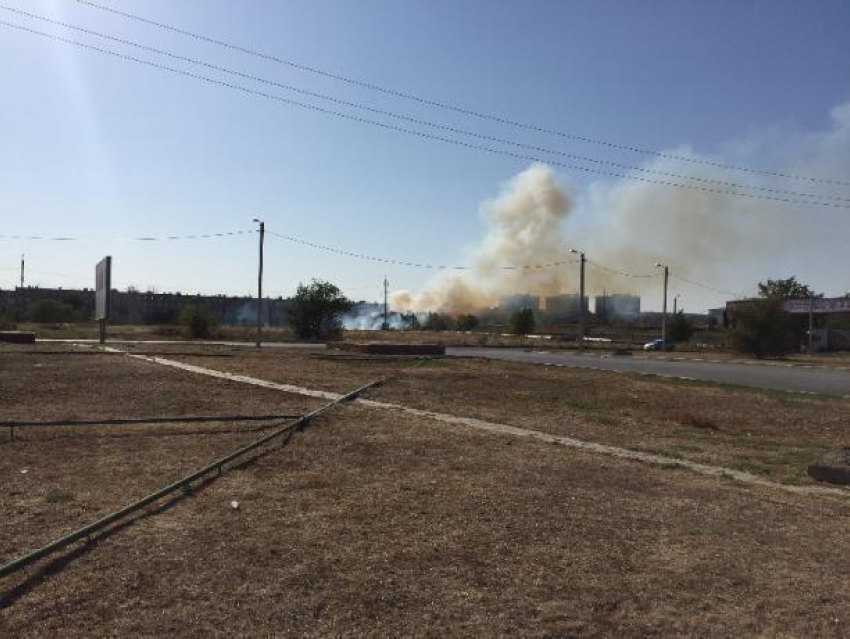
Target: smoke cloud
(721,239)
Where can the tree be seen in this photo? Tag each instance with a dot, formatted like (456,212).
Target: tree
(437,322)
(787,289)
(51,312)
(522,322)
(467,322)
(316,310)
(681,328)
(198,321)
(763,328)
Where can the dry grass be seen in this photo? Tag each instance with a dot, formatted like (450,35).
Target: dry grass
(376,523)
(367,524)
(768,433)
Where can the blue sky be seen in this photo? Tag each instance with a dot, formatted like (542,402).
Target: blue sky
(96,148)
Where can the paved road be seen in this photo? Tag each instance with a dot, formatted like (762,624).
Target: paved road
(774,377)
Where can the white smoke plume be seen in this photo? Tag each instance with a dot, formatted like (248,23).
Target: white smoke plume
(524,227)
(720,239)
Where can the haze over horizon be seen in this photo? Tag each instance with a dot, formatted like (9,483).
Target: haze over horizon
(97,147)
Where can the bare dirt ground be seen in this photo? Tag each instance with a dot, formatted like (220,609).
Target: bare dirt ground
(376,523)
(768,433)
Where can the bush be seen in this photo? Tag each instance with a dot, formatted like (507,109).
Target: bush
(680,329)
(762,328)
(316,311)
(51,312)
(198,321)
(467,322)
(522,322)
(437,322)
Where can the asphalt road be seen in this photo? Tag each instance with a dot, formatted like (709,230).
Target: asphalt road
(758,375)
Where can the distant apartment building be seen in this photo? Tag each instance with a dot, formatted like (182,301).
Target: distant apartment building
(564,308)
(136,307)
(617,307)
(518,302)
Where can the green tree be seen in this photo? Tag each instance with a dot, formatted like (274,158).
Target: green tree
(681,328)
(522,322)
(763,328)
(198,321)
(316,310)
(467,322)
(437,322)
(787,289)
(51,312)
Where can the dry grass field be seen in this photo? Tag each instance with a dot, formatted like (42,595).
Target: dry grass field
(377,522)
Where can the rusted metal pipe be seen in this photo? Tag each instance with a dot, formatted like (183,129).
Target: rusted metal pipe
(183,483)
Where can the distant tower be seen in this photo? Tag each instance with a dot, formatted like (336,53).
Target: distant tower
(22,271)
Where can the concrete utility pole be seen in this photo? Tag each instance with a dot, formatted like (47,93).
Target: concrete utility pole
(581,329)
(664,308)
(811,321)
(260,285)
(386,325)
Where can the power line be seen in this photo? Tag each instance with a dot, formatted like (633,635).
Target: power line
(707,287)
(165,238)
(455,108)
(384,260)
(413,132)
(419,121)
(621,273)
(340,251)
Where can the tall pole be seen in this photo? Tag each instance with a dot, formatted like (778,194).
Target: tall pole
(811,321)
(581,309)
(581,327)
(386,325)
(675,299)
(664,311)
(22,271)
(260,286)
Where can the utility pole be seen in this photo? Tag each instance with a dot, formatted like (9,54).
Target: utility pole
(581,329)
(664,308)
(386,325)
(22,271)
(811,322)
(675,299)
(260,285)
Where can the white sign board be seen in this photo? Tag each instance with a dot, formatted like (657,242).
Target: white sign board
(103,285)
(821,305)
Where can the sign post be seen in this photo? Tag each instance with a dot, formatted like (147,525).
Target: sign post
(102,298)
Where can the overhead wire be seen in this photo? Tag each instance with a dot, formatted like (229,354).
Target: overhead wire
(450,107)
(414,132)
(420,121)
(164,238)
(397,262)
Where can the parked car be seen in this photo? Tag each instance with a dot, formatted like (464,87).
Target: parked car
(658,345)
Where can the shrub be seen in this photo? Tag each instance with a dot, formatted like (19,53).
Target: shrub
(437,322)
(522,322)
(762,328)
(466,322)
(51,312)
(316,311)
(198,321)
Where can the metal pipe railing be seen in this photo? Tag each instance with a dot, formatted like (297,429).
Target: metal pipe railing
(183,483)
